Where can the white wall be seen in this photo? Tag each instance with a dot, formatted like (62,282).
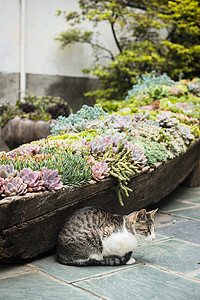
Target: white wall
(9,36)
(43,53)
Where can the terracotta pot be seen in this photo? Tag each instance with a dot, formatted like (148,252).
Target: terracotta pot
(20,131)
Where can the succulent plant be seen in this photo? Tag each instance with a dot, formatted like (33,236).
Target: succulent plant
(52,180)
(7,171)
(25,150)
(33,179)
(100,144)
(13,186)
(186,134)
(100,170)
(194,87)
(79,126)
(166,120)
(137,155)
(118,122)
(146,81)
(84,114)
(1,185)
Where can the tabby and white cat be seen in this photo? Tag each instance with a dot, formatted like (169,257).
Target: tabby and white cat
(92,236)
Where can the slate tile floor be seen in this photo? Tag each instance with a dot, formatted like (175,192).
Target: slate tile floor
(168,268)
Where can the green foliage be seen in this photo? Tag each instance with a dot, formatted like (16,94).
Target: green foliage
(138,40)
(36,108)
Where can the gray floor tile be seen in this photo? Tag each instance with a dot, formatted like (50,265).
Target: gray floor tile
(72,273)
(197,276)
(166,219)
(10,270)
(173,204)
(171,254)
(35,286)
(185,193)
(188,230)
(143,282)
(191,213)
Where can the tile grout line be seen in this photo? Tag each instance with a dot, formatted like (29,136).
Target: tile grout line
(126,267)
(171,214)
(183,208)
(66,283)
(170,271)
(15,274)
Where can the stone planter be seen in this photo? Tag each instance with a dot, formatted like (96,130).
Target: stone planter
(29,224)
(20,131)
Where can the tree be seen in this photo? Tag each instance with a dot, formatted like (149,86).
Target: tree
(136,27)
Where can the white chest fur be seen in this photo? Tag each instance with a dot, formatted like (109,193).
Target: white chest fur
(119,243)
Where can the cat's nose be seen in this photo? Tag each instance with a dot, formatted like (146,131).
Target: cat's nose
(153,238)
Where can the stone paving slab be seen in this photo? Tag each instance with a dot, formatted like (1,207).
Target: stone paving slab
(186,231)
(173,255)
(36,286)
(168,268)
(143,282)
(71,274)
(190,213)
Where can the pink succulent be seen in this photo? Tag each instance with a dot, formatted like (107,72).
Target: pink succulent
(100,170)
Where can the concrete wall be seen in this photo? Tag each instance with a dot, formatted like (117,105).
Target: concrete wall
(50,70)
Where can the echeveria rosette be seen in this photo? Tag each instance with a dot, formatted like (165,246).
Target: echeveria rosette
(7,170)
(33,179)
(52,180)
(14,186)
(100,169)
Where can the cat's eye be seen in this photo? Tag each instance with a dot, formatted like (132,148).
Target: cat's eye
(147,230)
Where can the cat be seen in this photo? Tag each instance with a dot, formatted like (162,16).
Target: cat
(92,236)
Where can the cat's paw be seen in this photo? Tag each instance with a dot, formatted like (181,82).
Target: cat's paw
(131,261)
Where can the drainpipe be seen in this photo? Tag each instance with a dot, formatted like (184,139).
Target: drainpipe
(22,49)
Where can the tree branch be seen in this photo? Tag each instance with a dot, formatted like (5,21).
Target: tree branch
(103,48)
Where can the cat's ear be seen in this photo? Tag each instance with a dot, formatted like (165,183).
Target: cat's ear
(131,217)
(141,215)
(153,212)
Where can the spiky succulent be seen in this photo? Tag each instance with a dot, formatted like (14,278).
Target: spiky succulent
(33,179)
(7,171)
(52,180)
(100,170)
(13,186)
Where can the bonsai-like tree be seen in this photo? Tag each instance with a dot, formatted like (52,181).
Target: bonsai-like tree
(150,35)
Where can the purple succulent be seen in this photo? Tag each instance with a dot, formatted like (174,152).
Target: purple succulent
(52,180)
(33,179)
(7,171)
(99,145)
(138,156)
(13,186)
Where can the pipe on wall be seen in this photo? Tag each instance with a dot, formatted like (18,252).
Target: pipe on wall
(22,48)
